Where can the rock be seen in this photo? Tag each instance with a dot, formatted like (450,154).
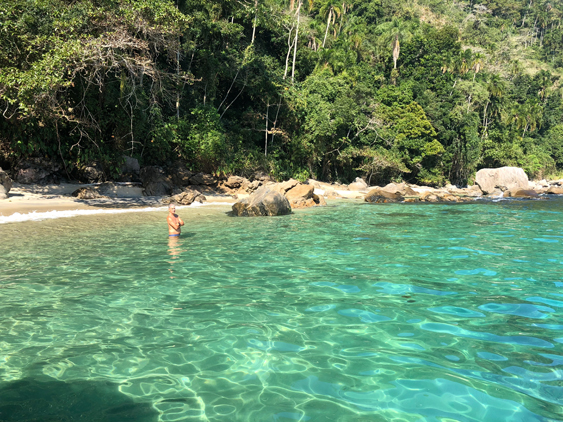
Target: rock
(131,165)
(472,191)
(313,182)
(401,188)
(265,201)
(556,182)
(378,195)
(286,186)
(497,193)
(5,184)
(235,182)
(555,190)
(319,200)
(155,182)
(358,185)
(87,193)
(187,197)
(503,178)
(261,176)
(300,196)
(37,171)
(92,173)
(180,175)
(299,191)
(521,193)
(252,186)
(203,179)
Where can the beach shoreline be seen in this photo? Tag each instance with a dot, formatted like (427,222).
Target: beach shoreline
(28,199)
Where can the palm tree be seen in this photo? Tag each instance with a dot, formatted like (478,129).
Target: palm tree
(331,9)
(496,88)
(528,116)
(477,64)
(396,31)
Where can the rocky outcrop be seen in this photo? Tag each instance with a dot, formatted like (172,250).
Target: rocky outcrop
(5,184)
(87,193)
(378,195)
(37,171)
(521,193)
(187,197)
(155,182)
(303,196)
(236,182)
(203,179)
(358,185)
(92,173)
(286,186)
(401,188)
(554,190)
(264,202)
(503,178)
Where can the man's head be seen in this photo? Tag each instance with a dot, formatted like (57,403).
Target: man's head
(171,207)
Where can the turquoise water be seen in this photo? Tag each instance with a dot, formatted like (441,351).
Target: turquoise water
(353,312)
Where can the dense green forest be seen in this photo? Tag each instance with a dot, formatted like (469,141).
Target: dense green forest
(425,91)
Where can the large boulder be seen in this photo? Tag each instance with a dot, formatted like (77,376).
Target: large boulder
(203,179)
(5,184)
(286,186)
(187,197)
(236,182)
(87,193)
(378,195)
(503,178)
(401,188)
(301,196)
(180,175)
(358,185)
(155,182)
(37,171)
(555,190)
(92,173)
(264,202)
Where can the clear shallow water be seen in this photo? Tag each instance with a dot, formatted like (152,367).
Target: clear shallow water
(357,312)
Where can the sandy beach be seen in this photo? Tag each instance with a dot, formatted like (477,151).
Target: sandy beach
(26,199)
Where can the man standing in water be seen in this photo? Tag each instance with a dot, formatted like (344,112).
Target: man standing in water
(174,222)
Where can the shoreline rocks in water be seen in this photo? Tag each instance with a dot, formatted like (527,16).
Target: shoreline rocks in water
(503,178)
(266,201)
(157,186)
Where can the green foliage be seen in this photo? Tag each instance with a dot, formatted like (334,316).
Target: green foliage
(209,82)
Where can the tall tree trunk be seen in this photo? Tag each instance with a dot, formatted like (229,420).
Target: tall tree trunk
(291,5)
(396,51)
(266,134)
(296,39)
(327,25)
(255,18)
(289,47)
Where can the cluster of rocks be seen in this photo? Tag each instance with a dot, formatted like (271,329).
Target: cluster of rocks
(278,199)
(260,195)
(506,182)
(5,184)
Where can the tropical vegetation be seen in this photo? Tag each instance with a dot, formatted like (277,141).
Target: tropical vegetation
(424,91)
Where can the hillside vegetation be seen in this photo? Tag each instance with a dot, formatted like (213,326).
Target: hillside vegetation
(424,91)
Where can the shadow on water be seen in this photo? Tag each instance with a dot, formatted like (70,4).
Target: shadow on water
(48,400)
